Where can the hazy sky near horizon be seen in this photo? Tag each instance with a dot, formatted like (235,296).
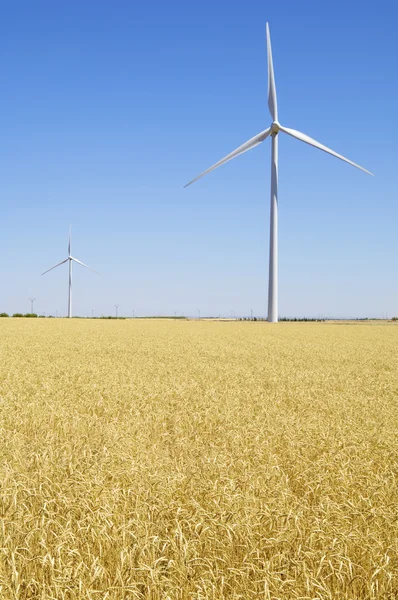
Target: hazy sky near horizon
(108,109)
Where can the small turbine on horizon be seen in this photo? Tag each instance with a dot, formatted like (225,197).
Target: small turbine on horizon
(70,259)
(273,131)
(32,300)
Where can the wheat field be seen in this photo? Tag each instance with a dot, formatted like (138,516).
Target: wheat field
(149,459)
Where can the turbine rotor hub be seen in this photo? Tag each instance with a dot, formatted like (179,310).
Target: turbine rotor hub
(275,127)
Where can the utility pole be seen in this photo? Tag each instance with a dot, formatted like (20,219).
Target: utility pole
(117,308)
(32,300)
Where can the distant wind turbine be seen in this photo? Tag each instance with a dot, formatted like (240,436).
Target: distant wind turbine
(70,259)
(273,131)
(32,300)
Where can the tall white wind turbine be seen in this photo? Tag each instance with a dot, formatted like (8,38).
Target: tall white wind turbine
(273,131)
(70,259)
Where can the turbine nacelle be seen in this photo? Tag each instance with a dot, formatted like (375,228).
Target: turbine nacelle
(275,127)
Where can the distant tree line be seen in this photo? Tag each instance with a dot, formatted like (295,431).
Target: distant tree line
(305,319)
(34,315)
(27,315)
(294,319)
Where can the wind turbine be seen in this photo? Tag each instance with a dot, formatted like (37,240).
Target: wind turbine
(273,130)
(32,300)
(70,259)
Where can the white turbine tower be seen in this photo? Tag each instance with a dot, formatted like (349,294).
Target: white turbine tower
(70,259)
(273,131)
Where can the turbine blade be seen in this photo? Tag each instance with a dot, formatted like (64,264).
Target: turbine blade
(252,143)
(272,103)
(55,266)
(70,235)
(308,140)
(83,265)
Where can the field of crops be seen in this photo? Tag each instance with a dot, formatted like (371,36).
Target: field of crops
(198,460)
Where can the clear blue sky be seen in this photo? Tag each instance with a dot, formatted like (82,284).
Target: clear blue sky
(109,108)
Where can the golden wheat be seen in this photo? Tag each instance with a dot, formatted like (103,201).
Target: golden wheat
(198,460)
